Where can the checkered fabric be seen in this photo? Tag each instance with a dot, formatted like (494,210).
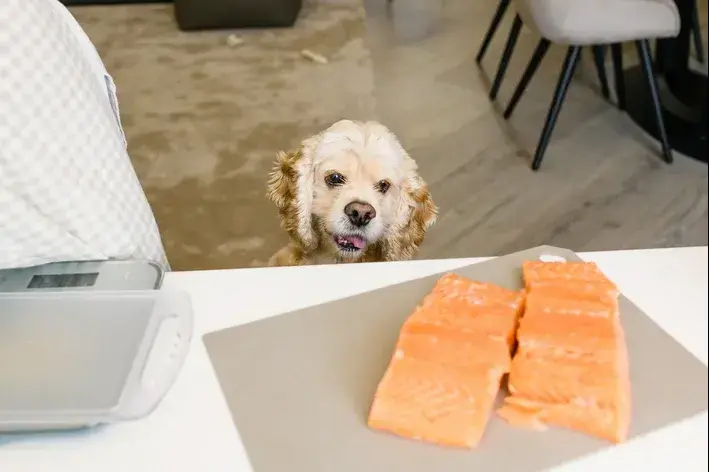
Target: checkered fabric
(68,190)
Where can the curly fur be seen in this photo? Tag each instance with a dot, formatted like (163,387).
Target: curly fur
(310,210)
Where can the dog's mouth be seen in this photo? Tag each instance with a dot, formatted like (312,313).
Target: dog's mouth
(350,242)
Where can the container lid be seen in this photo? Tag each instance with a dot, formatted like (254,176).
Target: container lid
(88,357)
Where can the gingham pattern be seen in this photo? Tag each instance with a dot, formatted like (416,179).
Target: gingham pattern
(68,190)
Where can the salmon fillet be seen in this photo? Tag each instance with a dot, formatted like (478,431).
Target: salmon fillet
(452,351)
(571,365)
(539,271)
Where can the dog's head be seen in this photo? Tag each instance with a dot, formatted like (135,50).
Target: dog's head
(352,190)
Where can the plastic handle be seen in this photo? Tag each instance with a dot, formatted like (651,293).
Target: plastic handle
(166,356)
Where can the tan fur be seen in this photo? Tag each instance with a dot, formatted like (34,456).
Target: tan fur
(310,211)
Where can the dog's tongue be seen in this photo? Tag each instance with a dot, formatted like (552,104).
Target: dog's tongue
(356,241)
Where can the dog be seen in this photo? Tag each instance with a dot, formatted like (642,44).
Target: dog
(351,193)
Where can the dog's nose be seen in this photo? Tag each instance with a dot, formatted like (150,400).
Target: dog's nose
(360,214)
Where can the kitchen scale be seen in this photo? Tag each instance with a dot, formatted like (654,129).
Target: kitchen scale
(86,343)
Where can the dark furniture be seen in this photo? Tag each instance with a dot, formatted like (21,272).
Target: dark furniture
(109,2)
(682,92)
(226,14)
(220,14)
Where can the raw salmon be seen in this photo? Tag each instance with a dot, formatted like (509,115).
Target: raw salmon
(539,271)
(445,373)
(571,364)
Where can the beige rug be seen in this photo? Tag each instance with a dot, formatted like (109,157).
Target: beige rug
(204,120)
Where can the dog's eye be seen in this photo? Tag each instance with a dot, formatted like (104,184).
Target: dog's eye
(334,179)
(383,186)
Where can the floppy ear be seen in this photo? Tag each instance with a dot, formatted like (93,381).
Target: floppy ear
(290,188)
(416,213)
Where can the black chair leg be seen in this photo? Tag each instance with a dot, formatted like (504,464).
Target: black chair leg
(506,55)
(529,72)
(617,54)
(496,19)
(697,34)
(599,57)
(567,73)
(643,47)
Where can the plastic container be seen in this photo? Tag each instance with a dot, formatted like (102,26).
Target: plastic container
(78,359)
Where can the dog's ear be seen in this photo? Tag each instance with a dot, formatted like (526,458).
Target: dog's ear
(416,213)
(290,188)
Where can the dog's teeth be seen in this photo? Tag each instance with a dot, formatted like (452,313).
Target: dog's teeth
(345,244)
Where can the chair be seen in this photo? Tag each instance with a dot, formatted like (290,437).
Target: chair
(492,29)
(579,23)
(598,52)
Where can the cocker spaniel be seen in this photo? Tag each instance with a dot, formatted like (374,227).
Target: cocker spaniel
(350,194)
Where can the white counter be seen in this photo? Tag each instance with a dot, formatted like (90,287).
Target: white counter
(191,431)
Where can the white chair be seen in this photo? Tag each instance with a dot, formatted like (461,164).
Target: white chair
(502,7)
(579,23)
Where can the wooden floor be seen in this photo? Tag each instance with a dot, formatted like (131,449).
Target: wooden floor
(203,146)
(602,186)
